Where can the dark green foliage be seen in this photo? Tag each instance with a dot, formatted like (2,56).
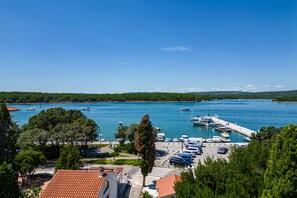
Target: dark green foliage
(9,132)
(8,182)
(27,161)
(128,148)
(37,97)
(49,129)
(281,175)
(131,132)
(145,144)
(241,176)
(134,162)
(121,135)
(69,158)
(145,195)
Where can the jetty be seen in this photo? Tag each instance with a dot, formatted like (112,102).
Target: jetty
(234,127)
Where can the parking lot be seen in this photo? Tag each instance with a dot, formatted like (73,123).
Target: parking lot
(169,149)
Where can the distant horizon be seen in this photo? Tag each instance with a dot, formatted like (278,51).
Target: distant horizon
(149,92)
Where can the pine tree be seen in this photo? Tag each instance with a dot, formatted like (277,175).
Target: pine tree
(8,136)
(280,178)
(145,144)
(8,182)
(69,158)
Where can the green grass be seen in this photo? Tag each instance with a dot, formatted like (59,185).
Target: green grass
(133,162)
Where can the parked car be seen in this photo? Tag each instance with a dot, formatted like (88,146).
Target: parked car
(175,140)
(196,150)
(222,150)
(191,152)
(199,148)
(179,161)
(167,139)
(186,156)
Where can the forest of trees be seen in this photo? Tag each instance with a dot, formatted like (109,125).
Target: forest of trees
(38,97)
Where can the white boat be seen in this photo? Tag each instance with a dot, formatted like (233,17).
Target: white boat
(209,140)
(216,139)
(184,137)
(100,137)
(158,128)
(31,109)
(184,109)
(85,109)
(161,137)
(248,139)
(225,139)
(225,135)
(202,120)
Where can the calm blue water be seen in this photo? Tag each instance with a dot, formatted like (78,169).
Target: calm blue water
(252,114)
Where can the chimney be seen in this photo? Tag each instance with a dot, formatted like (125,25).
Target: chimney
(101,170)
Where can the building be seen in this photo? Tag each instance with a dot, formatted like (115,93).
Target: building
(165,185)
(101,183)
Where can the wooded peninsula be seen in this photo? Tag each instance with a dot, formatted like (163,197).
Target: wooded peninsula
(39,97)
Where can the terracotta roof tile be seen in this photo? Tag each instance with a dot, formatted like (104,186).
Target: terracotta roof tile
(74,183)
(165,185)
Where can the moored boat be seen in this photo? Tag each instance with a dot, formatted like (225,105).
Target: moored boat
(31,109)
(184,109)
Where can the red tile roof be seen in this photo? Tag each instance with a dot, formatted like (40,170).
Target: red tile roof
(74,183)
(165,185)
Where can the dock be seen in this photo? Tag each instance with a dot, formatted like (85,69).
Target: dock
(234,127)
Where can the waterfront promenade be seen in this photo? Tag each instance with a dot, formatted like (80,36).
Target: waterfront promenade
(234,127)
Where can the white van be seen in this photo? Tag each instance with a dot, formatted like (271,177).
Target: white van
(196,141)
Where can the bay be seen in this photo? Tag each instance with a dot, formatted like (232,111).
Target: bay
(252,114)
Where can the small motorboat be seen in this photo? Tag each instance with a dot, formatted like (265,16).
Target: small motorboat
(209,140)
(85,109)
(223,139)
(216,139)
(248,139)
(225,135)
(31,109)
(184,109)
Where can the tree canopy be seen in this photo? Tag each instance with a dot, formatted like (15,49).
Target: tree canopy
(69,158)
(281,176)
(58,126)
(27,161)
(241,176)
(8,182)
(9,132)
(145,138)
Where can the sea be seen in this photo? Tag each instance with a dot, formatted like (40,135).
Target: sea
(252,114)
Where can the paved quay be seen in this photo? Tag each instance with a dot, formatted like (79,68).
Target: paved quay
(239,129)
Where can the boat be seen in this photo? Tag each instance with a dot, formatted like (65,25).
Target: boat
(85,109)
(209,140)
(225,135)
(161,137)
(216,139)
(223,139)
(248,139)
(202,120)
(184,137)
(157,128)
(184,109)
(31,109)
(221,129)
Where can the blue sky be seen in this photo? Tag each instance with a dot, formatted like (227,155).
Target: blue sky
(98,46)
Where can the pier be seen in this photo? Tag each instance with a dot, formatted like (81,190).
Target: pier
(234,127)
